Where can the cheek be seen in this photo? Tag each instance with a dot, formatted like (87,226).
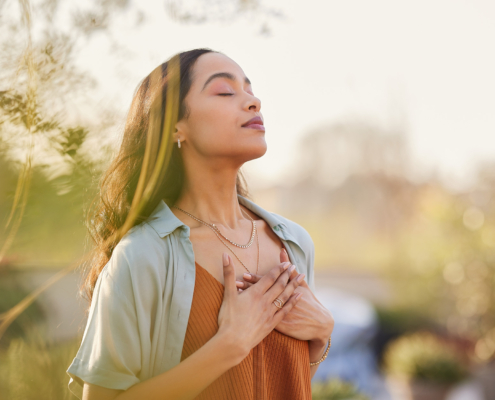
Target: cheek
(213,124)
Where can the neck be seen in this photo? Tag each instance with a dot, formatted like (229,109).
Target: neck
(210,194)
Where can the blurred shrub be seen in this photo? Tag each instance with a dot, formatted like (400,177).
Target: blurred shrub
(11,293)
(397,321)
(444,262)
(424,356)
(336,390)
(32,369)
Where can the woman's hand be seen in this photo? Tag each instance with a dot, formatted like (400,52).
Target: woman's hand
(246,318)
(308,319)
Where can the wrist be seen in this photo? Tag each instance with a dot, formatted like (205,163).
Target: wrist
(317,348)
(232,347)
(319,342)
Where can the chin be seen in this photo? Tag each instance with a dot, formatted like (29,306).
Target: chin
(255,151)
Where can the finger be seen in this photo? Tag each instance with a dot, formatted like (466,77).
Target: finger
(303,282)
(229,277)
(242,284)
(278,287)
(253,278)
(267,281)
(280,314)
(293,272)
(284,257)
(289,289)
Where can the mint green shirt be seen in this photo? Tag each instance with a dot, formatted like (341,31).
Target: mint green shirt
(141,302)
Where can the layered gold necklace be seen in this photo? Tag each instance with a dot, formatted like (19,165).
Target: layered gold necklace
(217,232)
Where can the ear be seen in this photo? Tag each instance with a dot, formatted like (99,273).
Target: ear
(180,131)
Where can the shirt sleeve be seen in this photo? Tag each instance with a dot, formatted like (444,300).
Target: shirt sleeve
(110,351)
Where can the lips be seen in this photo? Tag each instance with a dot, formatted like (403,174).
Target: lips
(254,123)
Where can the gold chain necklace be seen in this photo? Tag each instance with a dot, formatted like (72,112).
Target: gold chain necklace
(242,246)
(225,244)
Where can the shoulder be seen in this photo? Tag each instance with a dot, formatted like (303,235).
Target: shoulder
(298,232)
(142,245)
(138,261)
(299,235)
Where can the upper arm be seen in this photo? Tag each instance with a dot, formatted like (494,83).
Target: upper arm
(117,339)
(95,392)
(110,352)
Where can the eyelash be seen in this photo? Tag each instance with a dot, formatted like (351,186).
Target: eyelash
(226,94)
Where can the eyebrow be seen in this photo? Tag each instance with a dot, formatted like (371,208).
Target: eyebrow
(226,75)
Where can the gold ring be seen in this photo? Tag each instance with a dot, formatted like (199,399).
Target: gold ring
(278,303)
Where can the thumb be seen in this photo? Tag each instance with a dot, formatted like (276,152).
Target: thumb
(228,277)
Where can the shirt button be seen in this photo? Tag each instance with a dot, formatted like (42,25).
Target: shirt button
(277,228)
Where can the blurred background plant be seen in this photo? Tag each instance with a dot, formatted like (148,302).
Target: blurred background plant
(34,368)
(423,356)
(336,390)
(12,292)
(424,366)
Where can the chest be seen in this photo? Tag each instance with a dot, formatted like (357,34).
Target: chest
(208,249)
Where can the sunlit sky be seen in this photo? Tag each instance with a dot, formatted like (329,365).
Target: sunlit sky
(431,61)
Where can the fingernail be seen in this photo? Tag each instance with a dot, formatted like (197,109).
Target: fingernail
(240,290)
(300,277)
(292,268)
(247,276)
(286,265)
(239,283)
(225,259)
(298,295)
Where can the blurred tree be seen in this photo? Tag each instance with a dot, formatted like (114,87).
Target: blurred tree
(200,11)
(332,153)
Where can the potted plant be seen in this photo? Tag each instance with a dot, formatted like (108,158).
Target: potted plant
(423,366)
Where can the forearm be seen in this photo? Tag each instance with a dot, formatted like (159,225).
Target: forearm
(191,376)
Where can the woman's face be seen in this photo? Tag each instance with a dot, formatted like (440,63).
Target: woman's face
(219,107)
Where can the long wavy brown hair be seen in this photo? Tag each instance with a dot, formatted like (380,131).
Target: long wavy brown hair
(110,208)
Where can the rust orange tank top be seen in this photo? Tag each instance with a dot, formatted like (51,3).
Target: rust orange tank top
(277,368)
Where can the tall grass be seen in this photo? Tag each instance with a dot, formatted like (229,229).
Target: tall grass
(32,368)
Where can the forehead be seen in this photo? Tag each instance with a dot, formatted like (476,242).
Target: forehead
(211,63)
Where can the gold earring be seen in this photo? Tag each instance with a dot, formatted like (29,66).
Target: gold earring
(178,143)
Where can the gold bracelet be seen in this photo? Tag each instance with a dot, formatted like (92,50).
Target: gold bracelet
(324,354)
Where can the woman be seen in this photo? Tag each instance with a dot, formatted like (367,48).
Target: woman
(172,315)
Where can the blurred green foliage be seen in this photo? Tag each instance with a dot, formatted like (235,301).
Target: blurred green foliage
(444,262)
(33,368)
(52,232)
(425,357)
(11,294)
(335,389)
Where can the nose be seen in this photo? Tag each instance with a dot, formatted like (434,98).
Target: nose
(253,103)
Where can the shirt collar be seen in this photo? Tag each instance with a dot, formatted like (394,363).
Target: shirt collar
(164,221)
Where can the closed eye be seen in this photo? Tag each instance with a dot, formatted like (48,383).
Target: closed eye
(225,94)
